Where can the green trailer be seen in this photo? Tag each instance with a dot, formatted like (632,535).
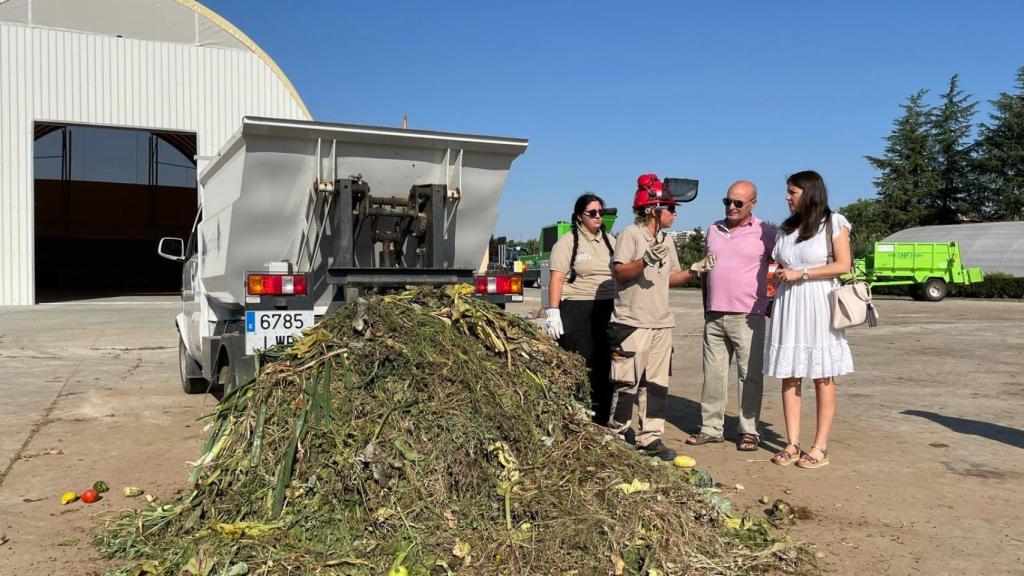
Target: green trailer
(928,268)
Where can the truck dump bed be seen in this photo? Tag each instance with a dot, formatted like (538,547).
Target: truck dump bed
(260,194)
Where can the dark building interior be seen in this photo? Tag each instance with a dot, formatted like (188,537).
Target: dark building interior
(103,199)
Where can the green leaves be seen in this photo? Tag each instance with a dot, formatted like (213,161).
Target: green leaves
(908,168)
(1001,155)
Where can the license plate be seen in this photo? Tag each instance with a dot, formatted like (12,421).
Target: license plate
(266,328)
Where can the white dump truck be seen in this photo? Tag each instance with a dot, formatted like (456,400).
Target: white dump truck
(295,217)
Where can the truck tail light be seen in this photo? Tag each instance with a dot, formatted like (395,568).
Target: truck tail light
(276,284)
(500,284)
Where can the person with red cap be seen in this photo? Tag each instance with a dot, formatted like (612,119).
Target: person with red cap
(645,265)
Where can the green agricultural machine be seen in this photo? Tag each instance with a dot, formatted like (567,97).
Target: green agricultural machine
(928,268)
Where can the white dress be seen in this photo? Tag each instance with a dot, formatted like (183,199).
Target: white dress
(801,342)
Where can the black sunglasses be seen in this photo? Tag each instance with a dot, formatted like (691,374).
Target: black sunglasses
(594,213)
(670,207)
(737,203)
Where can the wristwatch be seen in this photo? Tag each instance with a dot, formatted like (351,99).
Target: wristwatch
(806,275)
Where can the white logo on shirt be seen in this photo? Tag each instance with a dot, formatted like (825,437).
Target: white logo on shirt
(583,257)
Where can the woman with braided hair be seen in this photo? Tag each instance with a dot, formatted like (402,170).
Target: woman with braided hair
(582,294)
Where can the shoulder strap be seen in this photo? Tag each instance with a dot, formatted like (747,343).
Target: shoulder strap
(828,240)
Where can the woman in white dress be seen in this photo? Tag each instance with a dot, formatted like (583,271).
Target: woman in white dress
(801,342)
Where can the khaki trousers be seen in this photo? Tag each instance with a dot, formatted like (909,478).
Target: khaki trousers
(728,337)
(639,375)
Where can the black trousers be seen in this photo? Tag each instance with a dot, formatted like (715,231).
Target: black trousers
(586,333)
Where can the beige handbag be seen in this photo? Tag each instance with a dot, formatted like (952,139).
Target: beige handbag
(851,303)
(852,306)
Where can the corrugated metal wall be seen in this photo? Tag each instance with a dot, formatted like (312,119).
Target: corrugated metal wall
(79,78)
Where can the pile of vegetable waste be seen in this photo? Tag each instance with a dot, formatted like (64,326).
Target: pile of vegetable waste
(428,432)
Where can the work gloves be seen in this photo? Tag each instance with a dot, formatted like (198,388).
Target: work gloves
(703,265)
(655,254)
(553,324)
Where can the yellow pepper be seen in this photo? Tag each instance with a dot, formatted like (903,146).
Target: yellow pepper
(684,462)
(68,498)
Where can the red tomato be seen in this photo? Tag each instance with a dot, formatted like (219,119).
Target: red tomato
(89,496)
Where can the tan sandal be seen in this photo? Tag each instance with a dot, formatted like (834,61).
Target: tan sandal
(784,457)
(810,462)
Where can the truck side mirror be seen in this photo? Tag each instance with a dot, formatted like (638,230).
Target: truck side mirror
(172,249)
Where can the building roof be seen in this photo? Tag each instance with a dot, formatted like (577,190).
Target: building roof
(995,246)
(174,21)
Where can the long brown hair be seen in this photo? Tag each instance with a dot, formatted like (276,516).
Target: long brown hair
(813,208)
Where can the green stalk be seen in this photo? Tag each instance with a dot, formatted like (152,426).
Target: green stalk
(284,476)
(508,508)
(218,437)
(257,443)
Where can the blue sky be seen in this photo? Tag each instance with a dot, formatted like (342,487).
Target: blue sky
(606,90)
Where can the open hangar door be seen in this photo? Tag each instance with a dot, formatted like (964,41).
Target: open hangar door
(103,199)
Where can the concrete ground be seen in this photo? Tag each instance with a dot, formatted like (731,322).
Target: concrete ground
(90,392)
(927,474)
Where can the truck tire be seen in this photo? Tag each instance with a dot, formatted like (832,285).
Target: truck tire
(190,384)
(917,291)
(935,289)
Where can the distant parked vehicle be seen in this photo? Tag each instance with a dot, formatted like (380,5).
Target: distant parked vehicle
(928,268)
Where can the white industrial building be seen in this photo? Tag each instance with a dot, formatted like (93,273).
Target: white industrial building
(173,68)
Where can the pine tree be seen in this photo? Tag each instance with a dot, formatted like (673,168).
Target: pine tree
(951,126)
(1001,155)
(908,177)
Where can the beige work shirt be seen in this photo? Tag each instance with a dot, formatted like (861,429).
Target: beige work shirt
(643,301)
(594,279)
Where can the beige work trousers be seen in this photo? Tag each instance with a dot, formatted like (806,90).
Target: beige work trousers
(729,337)
(642,378)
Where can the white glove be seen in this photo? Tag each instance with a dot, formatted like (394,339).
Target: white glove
(553,324)
(705,264)
(655,254)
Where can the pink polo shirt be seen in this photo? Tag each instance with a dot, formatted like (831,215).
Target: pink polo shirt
(738,282)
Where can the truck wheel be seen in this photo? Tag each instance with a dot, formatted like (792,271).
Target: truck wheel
(917,292)
(191,385)
(935,289)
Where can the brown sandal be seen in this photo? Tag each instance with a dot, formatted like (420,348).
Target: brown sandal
(747,443)
(784,457)
(702,439)
(810,462)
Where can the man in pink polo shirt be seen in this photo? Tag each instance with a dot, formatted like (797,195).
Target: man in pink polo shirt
(734,317)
